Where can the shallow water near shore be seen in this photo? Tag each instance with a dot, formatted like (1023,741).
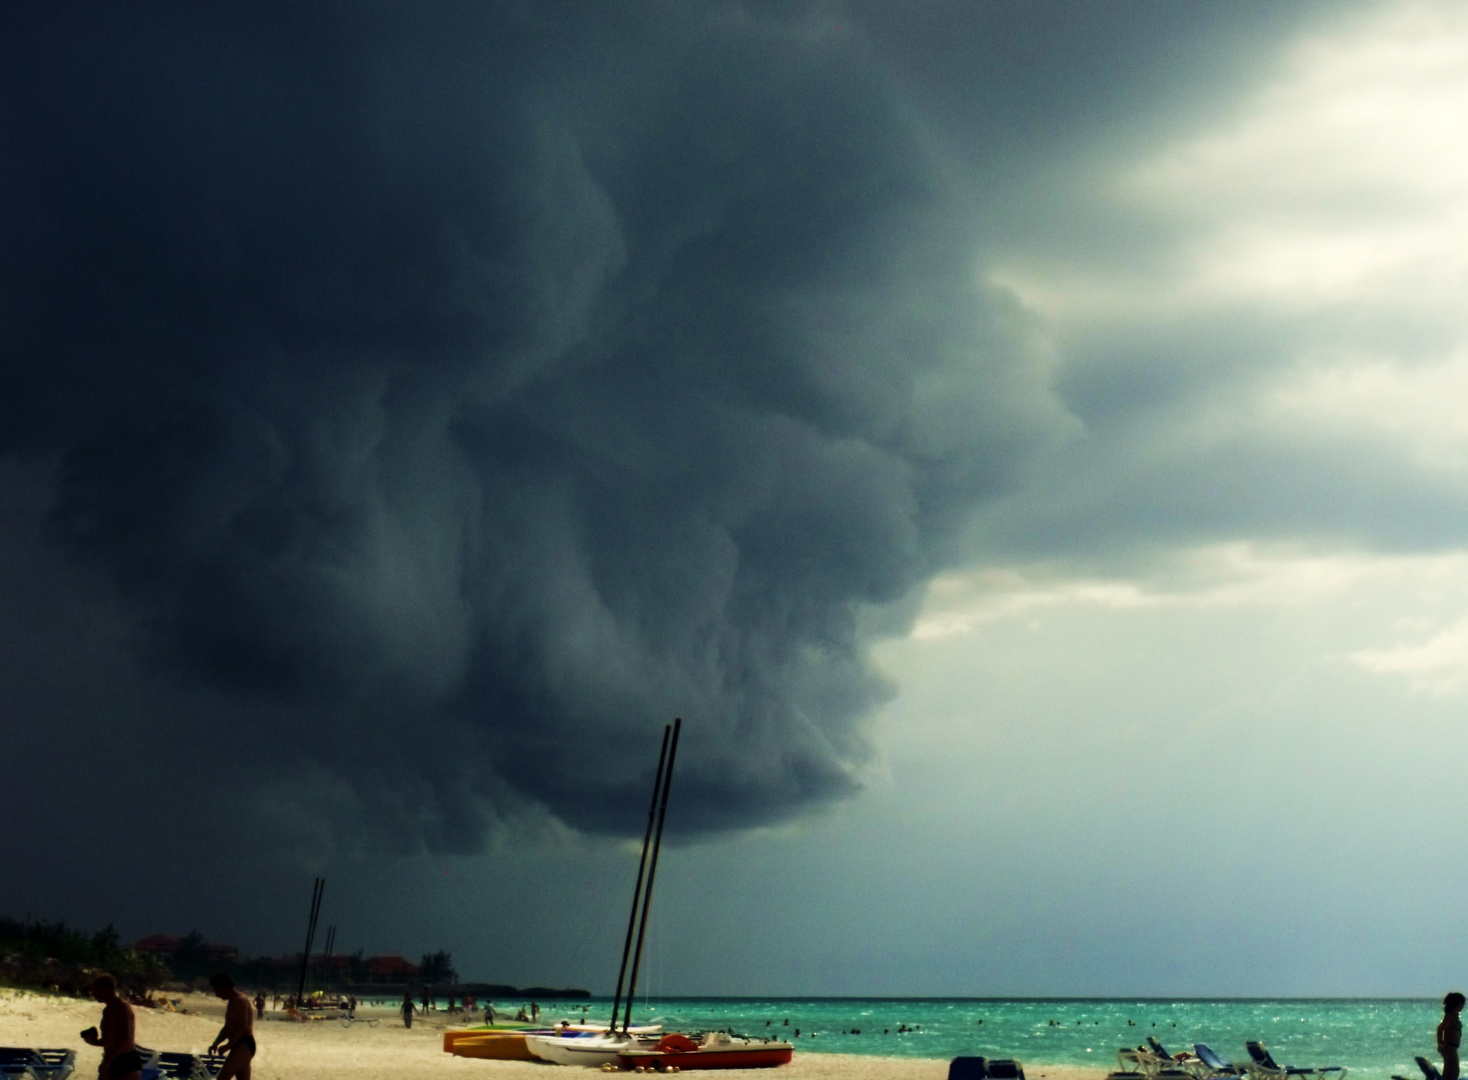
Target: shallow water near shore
(1373,1037)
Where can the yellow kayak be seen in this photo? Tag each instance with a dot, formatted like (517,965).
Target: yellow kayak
(499,1045)
(453,1035)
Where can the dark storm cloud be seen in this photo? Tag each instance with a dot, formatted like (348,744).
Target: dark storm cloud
(448,399)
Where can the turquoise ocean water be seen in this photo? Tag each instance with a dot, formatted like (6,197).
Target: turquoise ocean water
(1373,1037)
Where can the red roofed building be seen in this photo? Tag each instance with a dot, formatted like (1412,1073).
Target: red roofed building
(391,969)
(158,945)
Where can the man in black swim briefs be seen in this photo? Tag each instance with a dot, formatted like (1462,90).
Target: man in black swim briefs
(238,1031)
(1450,1033)
(120,1057)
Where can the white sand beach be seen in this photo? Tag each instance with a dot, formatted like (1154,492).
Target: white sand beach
(325,1050)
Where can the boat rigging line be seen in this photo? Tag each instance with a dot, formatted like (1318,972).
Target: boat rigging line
(326,959)
(316,892)
(652,872)
(641,866)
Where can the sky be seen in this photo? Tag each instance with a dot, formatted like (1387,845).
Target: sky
(1023,442)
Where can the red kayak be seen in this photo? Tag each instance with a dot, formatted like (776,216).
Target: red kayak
(716,1050)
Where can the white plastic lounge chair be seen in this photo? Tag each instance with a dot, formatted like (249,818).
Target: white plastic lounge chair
(1150,1064)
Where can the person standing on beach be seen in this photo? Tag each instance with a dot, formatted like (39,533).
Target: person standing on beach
(260,1004)
(120,1057)
(407,1010)
(238,1031)
(1450,1033)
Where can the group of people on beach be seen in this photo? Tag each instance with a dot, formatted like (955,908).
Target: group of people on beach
(407,1010)
(118,1035)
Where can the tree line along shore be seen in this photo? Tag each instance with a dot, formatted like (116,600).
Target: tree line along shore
(52,956)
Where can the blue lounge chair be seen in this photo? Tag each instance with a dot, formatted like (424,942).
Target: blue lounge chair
(1159,1049)
(18,1062)
(56,1064)
(1004,1069)
(1165,1066)
(190,1066)
(1149,1063)
(1138,1062)
(1265,1065)
(182,1067)
(1214,1064)
(1126,1074)
(966,1068)
(15,1063)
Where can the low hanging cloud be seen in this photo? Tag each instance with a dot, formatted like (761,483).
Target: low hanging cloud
(445,401)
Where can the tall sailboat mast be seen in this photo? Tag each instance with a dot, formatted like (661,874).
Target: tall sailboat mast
(652,872)
(652,807)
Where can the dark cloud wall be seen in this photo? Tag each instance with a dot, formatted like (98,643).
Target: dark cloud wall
(407,410)
(446,400)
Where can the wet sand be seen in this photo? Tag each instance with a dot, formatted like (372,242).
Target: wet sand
(326,1050)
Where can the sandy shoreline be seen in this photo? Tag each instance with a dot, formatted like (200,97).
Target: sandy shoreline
(326,1050)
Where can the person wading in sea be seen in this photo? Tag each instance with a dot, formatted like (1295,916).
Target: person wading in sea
(238,1030)
(120,1057)
(1450,1033)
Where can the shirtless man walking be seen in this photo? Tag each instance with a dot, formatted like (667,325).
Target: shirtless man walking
(1450,1033)
(120,1057)
(238,1030)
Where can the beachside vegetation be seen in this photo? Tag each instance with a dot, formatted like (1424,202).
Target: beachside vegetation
(54,956)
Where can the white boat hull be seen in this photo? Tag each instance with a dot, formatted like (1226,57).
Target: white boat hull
(591,1051)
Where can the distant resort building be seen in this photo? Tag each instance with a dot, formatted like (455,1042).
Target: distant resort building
(391,969)
(192,947)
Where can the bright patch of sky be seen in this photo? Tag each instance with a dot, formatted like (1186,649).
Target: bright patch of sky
(1224,638)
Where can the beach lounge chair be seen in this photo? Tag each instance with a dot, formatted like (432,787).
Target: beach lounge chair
(1211,1065)
(182,1067)
(1149,1063)
(15,1063)
(18,1062)
(1264,1065)
(1136,1062)
(1429,1070)
(1126,1074)
(1167,1067)
(1004,1069)
(190,1066)
(966,1068)
(56,1064)
(1158,1049)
